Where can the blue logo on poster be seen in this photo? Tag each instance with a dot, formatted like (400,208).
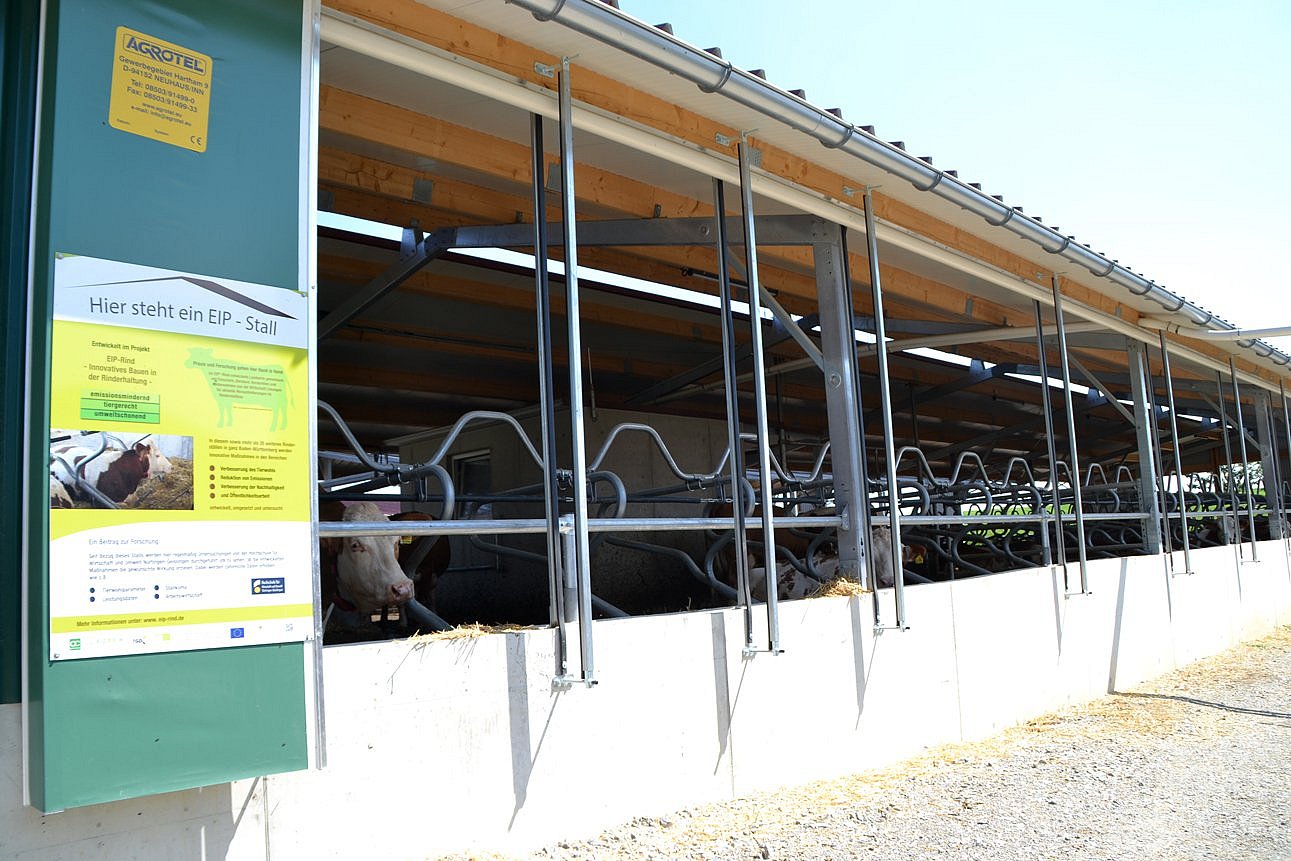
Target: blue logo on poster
(237,633)
(268,585)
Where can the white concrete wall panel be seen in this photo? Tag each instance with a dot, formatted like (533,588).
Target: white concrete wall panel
(444,745)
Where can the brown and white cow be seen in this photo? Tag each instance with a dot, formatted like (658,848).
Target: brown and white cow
(884,570)
(790,582)
(332,549)
(368,575)
(433,563)
(58,495)
(114,473)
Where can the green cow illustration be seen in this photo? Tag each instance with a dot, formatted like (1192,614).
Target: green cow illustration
(237,384)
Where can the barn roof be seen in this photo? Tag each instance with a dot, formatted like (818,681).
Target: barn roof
(613,43)
(425,113)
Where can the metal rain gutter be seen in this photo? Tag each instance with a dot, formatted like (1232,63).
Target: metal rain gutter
(712,74)
(1248,335)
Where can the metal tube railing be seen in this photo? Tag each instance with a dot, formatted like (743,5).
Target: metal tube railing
(1178,455)
(1071,434)
(759,391)
(885,399)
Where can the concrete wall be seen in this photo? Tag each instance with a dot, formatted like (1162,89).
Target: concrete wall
(437,746)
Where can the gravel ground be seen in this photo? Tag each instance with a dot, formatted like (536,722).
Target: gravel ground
(1193,765)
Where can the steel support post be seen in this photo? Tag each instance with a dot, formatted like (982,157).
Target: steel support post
(1140,381)
(1269,460)
(1047,402)
(578,465)
(1236,536)
(838,338)
(1286,422)
(1178,455)
(1071,435)
(1161,490)
(760,399)
(730,371)
(1246,464)
(862,497)
(885,403)
(546,389)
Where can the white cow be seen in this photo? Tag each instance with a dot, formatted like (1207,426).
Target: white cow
(367,566)
(791,583)
(881,550)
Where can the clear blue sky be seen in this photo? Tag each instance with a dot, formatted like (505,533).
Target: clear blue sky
(1157,132)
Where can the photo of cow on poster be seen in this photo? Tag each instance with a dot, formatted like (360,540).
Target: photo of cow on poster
(119,469)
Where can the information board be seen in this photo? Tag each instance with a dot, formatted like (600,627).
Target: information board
(179,462)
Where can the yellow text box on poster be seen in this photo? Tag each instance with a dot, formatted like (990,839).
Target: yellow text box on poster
(160,90)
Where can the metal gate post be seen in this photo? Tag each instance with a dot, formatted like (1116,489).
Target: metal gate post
(1178,455)
(582,549)
(547,397)
(1047,404)
(1286,422)
(729,370)
(885,404)
(760,401)
(1228,460)
(838,342)
(1246,464)
(1071,435)
(1144,434)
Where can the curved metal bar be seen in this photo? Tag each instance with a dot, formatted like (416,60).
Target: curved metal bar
(962,459)
(659,444)
(485,415)
(919,455)
(705,576)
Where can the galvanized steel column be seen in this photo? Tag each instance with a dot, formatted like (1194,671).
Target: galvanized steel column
(1144,432)
(842,399)
(1071,435)
(885,403)
(1269,461)
(760,401)
(1178,455)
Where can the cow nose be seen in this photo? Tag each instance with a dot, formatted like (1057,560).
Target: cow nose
(401,592)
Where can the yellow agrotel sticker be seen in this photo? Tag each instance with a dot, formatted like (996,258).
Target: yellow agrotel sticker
(160,90)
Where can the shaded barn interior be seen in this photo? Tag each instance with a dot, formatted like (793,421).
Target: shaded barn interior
(428,337)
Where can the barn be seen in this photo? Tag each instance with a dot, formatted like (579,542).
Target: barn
(629,329)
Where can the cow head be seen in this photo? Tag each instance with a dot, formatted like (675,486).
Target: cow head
(158,463)
(367,566)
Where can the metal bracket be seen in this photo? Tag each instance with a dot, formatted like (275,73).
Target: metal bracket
(545,70)
(565,683)
(423,190)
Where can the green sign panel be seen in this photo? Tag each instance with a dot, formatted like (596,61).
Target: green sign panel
(171,143)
